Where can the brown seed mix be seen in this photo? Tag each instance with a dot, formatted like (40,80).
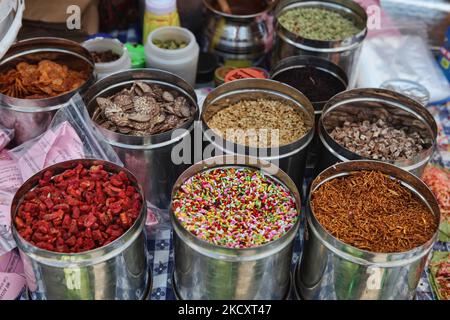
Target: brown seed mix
(259,123)
(379,140)
(373,212)
(142,110)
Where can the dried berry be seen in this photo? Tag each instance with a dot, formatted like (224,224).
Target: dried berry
(72,219)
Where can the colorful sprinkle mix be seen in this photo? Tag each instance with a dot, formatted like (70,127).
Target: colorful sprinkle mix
(235,207)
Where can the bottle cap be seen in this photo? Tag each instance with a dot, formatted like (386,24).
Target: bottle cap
(161,7)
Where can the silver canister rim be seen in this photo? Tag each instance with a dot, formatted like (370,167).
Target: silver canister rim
(365,99)
(36,49)
(237,254)
(360,256)
(237,90)
(86,258)
(346,7)
(124,79)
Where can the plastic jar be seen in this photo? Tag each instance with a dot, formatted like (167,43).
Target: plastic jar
(182,62)
(159,13)
(103,44)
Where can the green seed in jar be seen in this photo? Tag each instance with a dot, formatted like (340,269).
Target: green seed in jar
(318,24)
(169,44)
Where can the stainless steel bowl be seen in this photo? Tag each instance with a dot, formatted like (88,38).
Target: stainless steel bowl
(31,117)
(118,270)
(330,269)
(210,272)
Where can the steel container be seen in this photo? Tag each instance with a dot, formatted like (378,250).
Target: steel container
(118,270)
(330,269)
(31,117)
(149,158)
(344,53)
(374,104)
(287,65)
(291,158)
(238,40)
(204,271)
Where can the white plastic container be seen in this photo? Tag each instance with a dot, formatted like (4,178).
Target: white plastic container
(182,62)
(104,44)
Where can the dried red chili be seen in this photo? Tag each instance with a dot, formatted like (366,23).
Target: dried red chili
(373,212)
(78,210)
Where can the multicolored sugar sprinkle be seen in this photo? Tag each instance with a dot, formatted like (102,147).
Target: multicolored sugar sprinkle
(235,207)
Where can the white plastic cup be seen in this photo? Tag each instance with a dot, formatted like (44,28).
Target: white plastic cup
(182,62)
(106,68)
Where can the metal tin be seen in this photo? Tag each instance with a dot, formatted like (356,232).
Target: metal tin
(31,117)
(148,157)
(203,271)
(292,63)
(344,53)
(290,158)
(238,40)
(362,104)
(118,270)
(330,269)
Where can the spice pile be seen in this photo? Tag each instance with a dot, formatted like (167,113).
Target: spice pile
(142,110)
(379,140)
(317,85)
(318,24)
(373,212)
(259,123)
(235,207)
(169,44)
(44,80)
(81,209)
(104,56)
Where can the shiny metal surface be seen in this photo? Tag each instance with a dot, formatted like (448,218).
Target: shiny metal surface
(115,271)
(362,104)
(238,40)
(31,117)
(208,272)
(149,158)
(290,158)
(344,53)
(330,269)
